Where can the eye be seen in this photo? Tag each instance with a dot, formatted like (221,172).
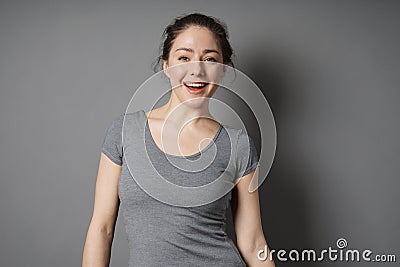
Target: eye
(183,58)
(211,59)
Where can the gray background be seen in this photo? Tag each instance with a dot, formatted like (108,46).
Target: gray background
(329,69)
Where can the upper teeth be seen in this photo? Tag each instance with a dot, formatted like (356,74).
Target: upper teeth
(195,84)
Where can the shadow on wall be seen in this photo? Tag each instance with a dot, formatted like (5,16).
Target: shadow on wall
(287,220)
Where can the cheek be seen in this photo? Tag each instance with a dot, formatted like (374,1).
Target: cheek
(214,73)
(176,74)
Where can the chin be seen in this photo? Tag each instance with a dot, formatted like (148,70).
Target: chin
(195,102)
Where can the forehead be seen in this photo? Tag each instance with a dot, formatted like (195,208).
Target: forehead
(196,37)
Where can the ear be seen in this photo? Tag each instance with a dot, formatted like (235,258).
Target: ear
(165,68)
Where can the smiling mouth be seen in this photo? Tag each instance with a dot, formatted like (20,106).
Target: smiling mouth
(195,85)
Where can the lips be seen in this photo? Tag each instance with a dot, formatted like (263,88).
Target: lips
(195,87)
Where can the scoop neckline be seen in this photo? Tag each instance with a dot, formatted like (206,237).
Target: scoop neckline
(178,156)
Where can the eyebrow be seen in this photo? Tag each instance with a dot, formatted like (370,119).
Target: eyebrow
(205,51)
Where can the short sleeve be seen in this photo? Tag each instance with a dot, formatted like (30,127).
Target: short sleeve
(112,143)
(247,155)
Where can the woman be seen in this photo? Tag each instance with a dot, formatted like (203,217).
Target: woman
(165,235)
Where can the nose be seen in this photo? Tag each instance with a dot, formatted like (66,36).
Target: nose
(197,68)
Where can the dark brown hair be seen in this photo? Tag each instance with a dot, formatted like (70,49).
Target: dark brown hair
(195,19)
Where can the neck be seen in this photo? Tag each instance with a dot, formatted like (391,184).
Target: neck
(186,114)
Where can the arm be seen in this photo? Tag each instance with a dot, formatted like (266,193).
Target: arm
(247,221)
(97,248)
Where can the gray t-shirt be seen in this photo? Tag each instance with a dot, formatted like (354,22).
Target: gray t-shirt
(166,235)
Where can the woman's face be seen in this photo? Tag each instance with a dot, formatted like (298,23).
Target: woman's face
(194,66)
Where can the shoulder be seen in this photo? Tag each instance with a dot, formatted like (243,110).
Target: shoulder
(242,142)
(244,138)
(239,136)
(113,137)
(245,152)
(118,121)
